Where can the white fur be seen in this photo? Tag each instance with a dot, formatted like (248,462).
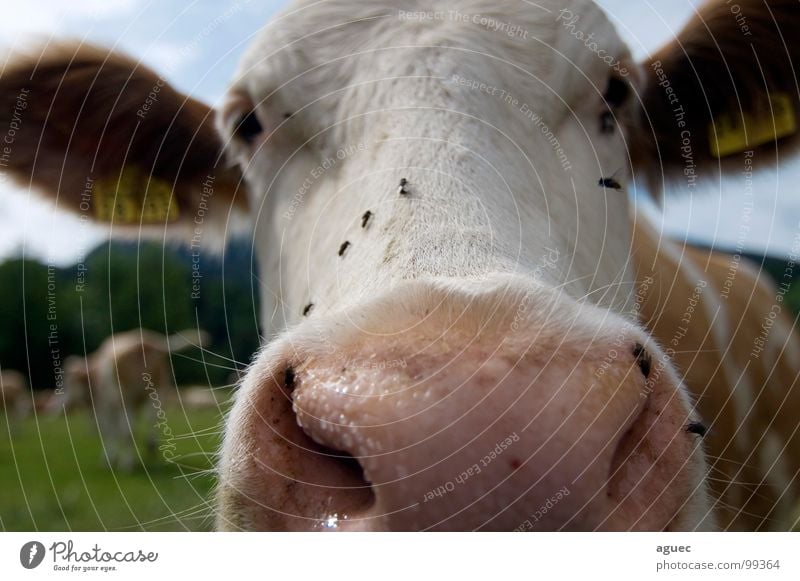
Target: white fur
(488,193)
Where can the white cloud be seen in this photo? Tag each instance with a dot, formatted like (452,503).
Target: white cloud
(32,228)
(168,57)
(103,8)
(21,19)
(645,26)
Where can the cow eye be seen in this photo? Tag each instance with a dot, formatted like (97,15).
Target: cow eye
(617,92)
(249,127)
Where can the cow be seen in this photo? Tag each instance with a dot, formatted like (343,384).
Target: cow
(201,398)
(128,373)
(15,397)
(468,324)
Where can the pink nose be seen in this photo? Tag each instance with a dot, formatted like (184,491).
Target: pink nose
(460,432)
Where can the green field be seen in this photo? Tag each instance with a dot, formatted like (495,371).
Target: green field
(54,477)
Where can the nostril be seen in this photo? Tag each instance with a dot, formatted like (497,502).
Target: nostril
(334,481)
(346,494)
(345,459)
(626,449)
(651,457)
(623,452)
(349,464)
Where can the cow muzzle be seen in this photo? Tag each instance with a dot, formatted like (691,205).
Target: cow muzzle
(567,423)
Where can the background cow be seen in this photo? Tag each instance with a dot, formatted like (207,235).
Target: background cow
(449,259)
(15,397)
(128,373)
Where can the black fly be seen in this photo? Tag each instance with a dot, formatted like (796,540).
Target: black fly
(610,183)
(402,190)
(366,218)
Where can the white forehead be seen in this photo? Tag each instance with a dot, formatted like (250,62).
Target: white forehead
(541,49)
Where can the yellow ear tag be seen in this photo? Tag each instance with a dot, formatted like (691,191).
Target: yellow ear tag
(133,198)
(731,134)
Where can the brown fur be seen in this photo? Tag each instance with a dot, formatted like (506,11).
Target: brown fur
(750,495)
(81,122)
(715,68)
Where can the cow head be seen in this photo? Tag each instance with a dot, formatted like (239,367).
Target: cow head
(438,206)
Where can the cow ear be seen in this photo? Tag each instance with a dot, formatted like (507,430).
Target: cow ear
(727,86)
(108,138)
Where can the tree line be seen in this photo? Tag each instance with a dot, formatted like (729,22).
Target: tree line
(48,313)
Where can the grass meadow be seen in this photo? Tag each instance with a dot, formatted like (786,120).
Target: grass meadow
(54,476)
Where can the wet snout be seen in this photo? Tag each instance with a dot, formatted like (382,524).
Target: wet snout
(557,426)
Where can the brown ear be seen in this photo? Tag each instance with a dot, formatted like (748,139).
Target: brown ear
(726,85)
(106,137)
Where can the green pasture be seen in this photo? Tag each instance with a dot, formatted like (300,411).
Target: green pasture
(54,476)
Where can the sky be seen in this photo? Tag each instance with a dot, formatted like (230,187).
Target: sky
(197,44)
